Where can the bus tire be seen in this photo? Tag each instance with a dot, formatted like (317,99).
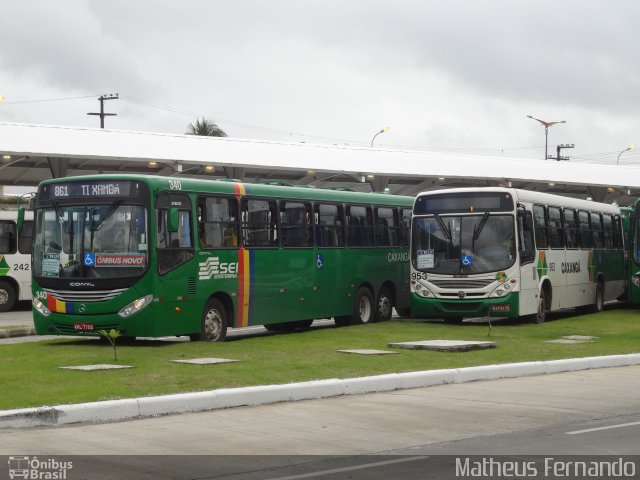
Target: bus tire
(541,314)
(384,306)
(363,307)
(7,296)
(214,322)
(598,305)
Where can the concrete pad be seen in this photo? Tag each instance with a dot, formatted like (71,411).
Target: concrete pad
(204,361)
(368,351)
(91,368)
(567,341)
(579,337)
(444,345)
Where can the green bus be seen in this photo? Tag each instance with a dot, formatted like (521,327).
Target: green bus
(633,218)
(165,256)
(505,252)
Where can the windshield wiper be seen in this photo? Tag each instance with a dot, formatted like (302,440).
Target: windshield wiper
(477,229)
(61,220)
(112,208)
(443,227)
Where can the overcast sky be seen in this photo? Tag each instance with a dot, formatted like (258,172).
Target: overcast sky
(458,75)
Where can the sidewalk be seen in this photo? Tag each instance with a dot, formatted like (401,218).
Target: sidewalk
(18,322)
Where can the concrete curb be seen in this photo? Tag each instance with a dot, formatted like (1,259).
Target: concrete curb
(17,332)
(134,408)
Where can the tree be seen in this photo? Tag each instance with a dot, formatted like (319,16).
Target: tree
(206,128)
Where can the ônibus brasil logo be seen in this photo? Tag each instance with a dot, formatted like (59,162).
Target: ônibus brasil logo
(37,469)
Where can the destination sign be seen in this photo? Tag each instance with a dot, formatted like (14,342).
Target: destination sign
(90,189)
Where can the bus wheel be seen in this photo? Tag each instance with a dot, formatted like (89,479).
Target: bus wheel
(214,322)
(541,314)
(598,306)
(385,305)
(7,296)
(363,311)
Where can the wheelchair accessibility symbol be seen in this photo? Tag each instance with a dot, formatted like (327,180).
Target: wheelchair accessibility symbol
(466,260)
(89,260)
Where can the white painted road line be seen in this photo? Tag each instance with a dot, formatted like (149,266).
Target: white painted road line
(589,430)
(350,469)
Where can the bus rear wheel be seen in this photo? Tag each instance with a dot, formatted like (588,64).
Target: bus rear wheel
(384,306)
(363,310)
(7,296)
(214,322)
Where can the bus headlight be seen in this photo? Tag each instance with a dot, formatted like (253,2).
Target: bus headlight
(135,306)
(41,307)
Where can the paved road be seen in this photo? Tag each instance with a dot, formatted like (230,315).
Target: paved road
(546,415)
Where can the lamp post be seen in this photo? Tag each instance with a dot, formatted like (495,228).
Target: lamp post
(546,131)
(384,130)
(630,147)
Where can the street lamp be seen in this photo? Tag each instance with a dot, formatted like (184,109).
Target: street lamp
(384,130)
(546,131)
(630,147)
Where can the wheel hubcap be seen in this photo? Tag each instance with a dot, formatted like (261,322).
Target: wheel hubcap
(384,306)
(4,297)
(365,309)
(212,324)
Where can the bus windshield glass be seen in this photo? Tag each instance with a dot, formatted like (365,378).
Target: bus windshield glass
(463,244)
(91,241)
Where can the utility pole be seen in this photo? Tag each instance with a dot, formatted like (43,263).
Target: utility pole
(102,98)
(560,147)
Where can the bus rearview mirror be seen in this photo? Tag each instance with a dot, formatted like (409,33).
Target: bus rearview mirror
(173,222)
(20,219)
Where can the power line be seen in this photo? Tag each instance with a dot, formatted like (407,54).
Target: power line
(20,102)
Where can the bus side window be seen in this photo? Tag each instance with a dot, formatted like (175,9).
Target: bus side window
(218,222)
(618,244)
(259,223)
(596,229)
(295,224)
(26,237)
(585,230)
(359,226)
(526,233)
(539,221)
(405,226)
(555,227)
(608,231)
(570,228)
(386,229)
(329,221)
(7,237)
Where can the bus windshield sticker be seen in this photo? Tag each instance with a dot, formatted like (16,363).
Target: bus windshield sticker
(120,260)
(50,264)
(426,259)
(89,260)
(466,260)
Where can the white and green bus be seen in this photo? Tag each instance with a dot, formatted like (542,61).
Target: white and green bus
(15,258)
(510,253)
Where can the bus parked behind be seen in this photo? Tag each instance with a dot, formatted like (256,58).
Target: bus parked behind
(15,258)
(510,253)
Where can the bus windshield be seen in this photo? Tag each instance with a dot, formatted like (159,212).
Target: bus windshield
(463,244)
(91,241)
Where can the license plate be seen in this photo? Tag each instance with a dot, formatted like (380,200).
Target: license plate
(501,308)
(83,326)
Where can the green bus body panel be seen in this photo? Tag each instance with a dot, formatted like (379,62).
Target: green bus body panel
(278,284)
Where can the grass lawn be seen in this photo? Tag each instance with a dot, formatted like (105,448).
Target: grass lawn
(30,375)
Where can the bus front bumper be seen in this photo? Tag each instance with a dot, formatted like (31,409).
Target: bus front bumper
(506,306)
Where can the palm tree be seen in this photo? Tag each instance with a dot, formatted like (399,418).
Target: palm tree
(206,128)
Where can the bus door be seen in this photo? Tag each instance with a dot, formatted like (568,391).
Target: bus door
(175,289)
(527,254)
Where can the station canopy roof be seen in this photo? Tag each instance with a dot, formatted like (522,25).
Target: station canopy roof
(32,153)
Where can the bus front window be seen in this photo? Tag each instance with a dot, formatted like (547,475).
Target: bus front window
(94,241)
(470,244)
